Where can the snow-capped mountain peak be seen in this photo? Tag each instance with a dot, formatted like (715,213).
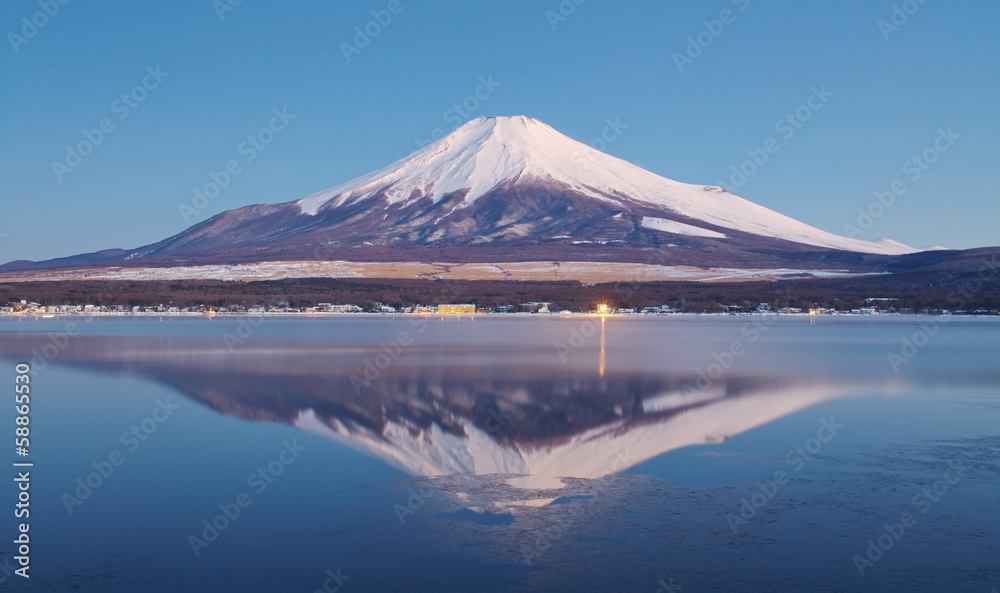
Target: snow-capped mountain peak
(510,189)
(491,154)
(478,156)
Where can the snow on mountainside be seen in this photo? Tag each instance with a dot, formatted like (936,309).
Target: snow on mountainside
(678,228)
(490,153)
(503,190)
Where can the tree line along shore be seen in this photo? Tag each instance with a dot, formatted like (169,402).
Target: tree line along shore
(917,294)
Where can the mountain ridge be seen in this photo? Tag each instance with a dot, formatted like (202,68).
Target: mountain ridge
(491,152)
(505,189)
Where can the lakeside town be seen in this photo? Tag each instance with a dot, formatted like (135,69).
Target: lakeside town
(873,306)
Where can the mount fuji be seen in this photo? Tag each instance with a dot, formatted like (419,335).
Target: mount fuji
(504,189)
(504,158)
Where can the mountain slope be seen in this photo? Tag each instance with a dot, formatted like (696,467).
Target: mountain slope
(506,189)
(493,153)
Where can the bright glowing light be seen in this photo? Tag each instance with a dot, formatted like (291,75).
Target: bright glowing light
(602,309)
(602,360)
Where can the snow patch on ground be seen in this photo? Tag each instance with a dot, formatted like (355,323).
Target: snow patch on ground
(536,271)
(678,228)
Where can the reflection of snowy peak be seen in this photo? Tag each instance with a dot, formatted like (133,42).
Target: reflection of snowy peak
(595,453)
(538,422)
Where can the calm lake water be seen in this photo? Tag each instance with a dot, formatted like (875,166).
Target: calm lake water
(518,453)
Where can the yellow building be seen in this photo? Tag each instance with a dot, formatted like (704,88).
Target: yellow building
(456,309)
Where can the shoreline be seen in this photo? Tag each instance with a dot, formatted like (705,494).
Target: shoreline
(560,315)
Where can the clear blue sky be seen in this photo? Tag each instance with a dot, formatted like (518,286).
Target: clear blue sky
(893,89)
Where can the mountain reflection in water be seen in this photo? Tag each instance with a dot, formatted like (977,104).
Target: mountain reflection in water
(443,409)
